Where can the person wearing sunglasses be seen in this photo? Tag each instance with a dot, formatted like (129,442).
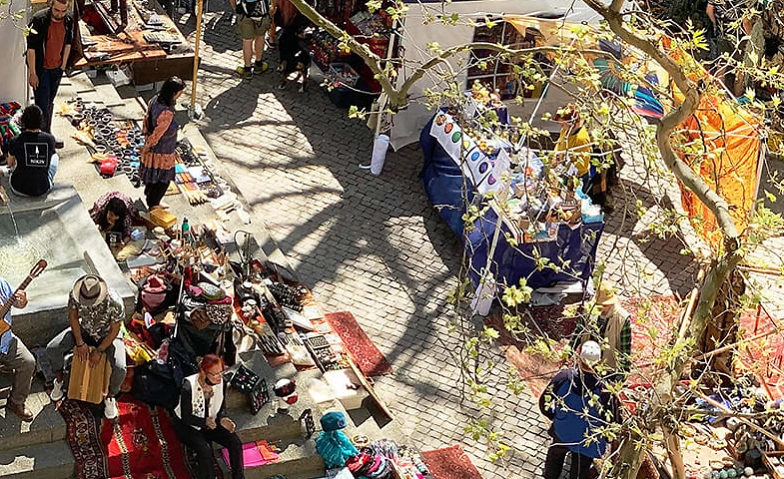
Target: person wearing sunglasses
(199,419)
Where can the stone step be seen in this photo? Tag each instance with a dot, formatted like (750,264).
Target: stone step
(298,459)
(268,423)
(40,461)
(47,426)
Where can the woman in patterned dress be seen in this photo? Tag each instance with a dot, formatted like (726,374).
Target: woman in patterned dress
(158,153)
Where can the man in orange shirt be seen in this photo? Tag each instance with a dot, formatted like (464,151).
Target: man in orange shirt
(48,49)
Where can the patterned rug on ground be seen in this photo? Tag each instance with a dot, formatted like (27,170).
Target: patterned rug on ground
(450,463)
(142,444)
(367,356)
(653,321)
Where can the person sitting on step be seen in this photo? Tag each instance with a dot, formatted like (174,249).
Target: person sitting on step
(95,314)
(14,355)
(32,156)
(200,419)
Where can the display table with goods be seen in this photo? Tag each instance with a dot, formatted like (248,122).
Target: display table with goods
(349,80)
(541,211)
(141,35)
(270,311)
(716,445)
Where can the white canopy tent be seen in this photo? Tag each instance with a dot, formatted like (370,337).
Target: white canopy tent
(408,124)
(13,72)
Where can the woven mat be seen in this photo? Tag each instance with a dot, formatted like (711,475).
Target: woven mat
(653,319)
(367,356)
(450,463)
(141,444)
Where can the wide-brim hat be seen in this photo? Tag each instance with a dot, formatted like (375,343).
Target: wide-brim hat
(605,296)
(89,290)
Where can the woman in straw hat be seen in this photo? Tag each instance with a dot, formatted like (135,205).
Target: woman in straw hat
(613,325)
(95,314)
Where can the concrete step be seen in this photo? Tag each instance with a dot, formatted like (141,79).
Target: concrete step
(40,461)
(298,459)
(268,423)
(47,426)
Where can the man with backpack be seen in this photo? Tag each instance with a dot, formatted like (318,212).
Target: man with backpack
(253,22)
(580,406)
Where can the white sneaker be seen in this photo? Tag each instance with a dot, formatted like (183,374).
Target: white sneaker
(57,390)
(110,408)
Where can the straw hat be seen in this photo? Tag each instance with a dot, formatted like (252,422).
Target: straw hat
(605,295)
(89,290)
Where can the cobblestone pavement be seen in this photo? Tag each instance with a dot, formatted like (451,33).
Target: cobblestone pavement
(373,245)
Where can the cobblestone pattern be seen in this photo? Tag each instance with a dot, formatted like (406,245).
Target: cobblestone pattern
(373,245)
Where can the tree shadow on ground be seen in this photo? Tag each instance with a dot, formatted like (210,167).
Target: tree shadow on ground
(679,270)
(364,224)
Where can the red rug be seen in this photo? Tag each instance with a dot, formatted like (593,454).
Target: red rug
(764,357)
(450,463)
(367,356)
(82,429)
(142,444)
(653,319)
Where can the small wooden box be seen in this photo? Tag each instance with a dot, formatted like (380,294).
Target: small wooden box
(161,217)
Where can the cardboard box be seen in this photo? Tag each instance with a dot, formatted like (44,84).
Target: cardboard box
(338,382)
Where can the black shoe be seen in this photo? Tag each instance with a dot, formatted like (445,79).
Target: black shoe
(58,144)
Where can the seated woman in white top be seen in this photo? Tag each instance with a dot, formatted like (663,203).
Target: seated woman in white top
(199,418)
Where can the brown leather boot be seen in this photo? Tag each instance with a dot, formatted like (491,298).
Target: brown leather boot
(20,410)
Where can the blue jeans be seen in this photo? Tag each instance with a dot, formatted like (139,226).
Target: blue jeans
(53,164)
(48,83)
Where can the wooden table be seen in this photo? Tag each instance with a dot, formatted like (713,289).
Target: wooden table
(149,61)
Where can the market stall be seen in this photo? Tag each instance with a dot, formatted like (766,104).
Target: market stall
(537,213)
(350,80)
(143,37)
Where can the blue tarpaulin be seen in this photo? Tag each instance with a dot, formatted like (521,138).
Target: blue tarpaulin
(444,181)
(575,248)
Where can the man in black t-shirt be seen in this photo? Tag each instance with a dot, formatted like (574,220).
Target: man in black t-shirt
(31,154)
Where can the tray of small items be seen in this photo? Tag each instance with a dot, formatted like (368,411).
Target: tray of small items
(774,461)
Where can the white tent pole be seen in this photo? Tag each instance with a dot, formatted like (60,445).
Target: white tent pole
(545,89)
(197,42)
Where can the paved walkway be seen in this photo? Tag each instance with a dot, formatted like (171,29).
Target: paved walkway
(373,245)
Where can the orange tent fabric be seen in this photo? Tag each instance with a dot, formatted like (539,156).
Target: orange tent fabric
(730,146)
(728,143)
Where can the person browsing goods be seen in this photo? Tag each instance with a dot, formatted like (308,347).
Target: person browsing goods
(614,325)
(95,314)
(200,419)
(160,142)
(253,22)
(31,155)
(14,355)
(579,405)
(48,48)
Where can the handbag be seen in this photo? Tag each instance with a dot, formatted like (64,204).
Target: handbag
(255,10)
(244,380)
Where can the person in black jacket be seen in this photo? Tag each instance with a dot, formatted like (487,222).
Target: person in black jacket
(48,49)
(200,419)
